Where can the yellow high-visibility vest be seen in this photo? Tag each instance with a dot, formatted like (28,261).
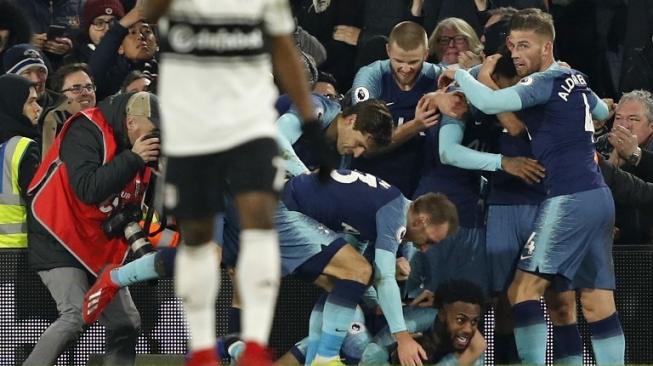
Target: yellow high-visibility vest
(13,212)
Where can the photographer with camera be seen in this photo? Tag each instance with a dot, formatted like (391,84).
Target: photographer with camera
(86,198)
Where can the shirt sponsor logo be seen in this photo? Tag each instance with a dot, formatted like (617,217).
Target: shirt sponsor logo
(215,40)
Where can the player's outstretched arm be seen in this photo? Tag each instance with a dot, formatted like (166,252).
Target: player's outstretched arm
(410,352)
(487,100)
(452,152)
(154,9)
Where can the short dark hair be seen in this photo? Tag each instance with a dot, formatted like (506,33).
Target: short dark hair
(408,36)
(455,290)
(438,208)
(325,77)
(130,78)
(505,67)
(65,70)
(505,12)
(535,20)
(373,117)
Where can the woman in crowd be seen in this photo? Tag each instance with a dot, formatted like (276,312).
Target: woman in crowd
(452,38)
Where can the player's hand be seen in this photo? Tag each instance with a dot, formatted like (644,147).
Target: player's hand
(624,142)
(314,135)
(489,64)
(527,169)
(425,114)
(409,351)
(453,105)
(424,300)
(347,34)
(134,16)
(403,269)
(447,77)
(147,148)
(469,59)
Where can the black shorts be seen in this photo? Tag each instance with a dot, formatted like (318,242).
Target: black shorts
(195,185)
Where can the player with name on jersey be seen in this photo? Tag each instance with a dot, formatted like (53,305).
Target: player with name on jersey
(571,246)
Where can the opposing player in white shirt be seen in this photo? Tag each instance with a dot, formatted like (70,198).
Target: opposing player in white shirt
(218,131)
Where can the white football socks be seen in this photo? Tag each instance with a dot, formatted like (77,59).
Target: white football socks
(258,273)
(197,281)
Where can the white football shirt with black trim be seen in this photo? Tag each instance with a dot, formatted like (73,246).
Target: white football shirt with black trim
(215,84)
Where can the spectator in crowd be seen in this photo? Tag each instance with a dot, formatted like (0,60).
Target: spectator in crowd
(136,81)
(627,143)
(75,83)
(98,16)
(452,38)
(631,135)
(310,45)
(95,171)
(379,17)
(43,15)
(637,66)
(19,113)
(130,44)
(627,189)
(471,11)
(14,27)
(27,61)
(336,24)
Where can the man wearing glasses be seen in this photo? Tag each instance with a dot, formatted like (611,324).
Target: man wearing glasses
(74,82)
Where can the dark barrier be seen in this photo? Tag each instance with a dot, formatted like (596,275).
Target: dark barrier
(26,310)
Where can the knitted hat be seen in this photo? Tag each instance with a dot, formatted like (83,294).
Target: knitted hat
(21,57)
(96,8)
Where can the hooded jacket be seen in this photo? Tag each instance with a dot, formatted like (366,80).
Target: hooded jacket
(14,91)
(92,181)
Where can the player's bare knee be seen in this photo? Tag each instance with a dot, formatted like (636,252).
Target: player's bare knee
(526,286)
(197,231)
(597,308)
(563,313)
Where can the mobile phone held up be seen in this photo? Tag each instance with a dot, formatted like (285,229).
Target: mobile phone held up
(55,31)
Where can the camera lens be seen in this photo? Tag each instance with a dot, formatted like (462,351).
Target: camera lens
(137,240)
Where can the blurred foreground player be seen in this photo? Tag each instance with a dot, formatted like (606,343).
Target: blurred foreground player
(219,127)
